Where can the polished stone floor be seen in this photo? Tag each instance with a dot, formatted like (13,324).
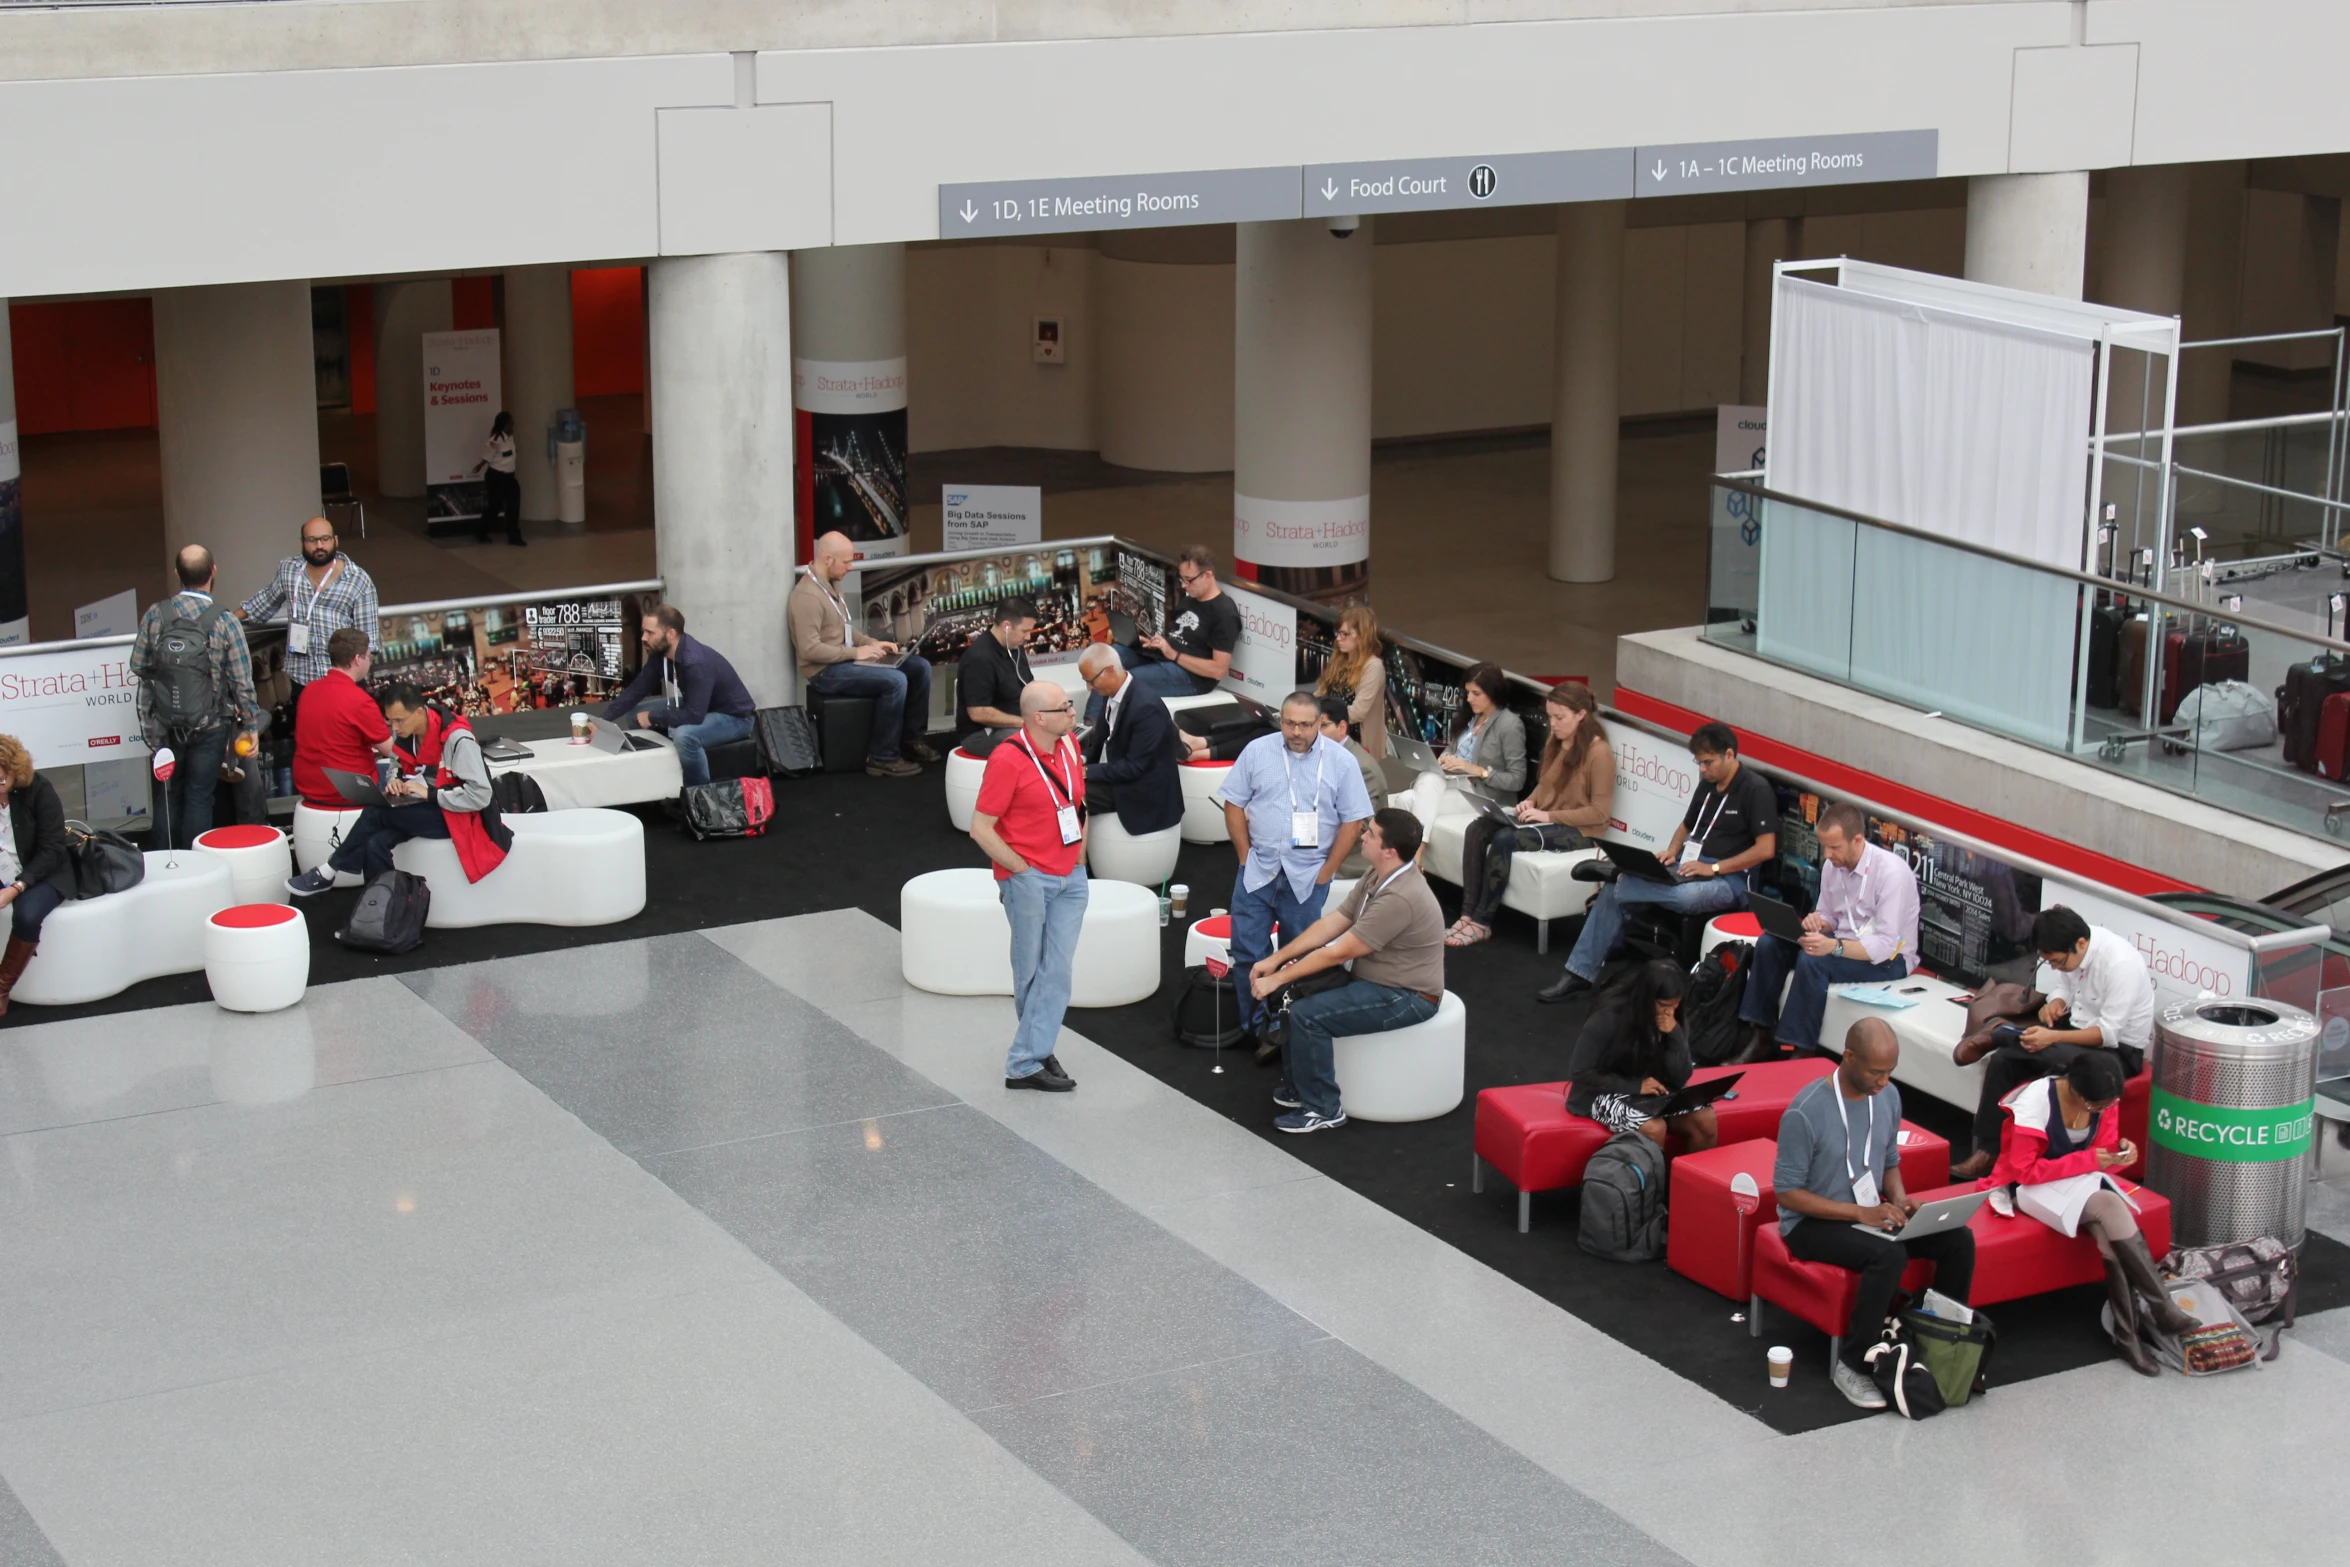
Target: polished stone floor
(727,1247)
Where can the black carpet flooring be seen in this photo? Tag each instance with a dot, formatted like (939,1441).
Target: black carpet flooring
(847,840)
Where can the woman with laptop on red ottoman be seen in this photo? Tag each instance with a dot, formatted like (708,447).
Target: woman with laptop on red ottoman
(1632,1056)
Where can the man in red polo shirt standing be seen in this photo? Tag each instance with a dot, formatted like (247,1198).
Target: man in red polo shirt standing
(1030,818)
(338,723)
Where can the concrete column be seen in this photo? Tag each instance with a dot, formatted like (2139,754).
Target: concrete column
(404,312)
(1768,242)
(2028,231)
(2142,265)
(722,456)
(1301,393)
(538,378)
(236,395)
(2212,288)
(1163,396)
(1585,424)
(848,335)
(15,613)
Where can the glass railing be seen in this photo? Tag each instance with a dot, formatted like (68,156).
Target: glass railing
(2177,688)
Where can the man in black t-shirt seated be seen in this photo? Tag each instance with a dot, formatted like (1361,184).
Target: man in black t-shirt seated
(1192,655)
(1730,828)
(990,675)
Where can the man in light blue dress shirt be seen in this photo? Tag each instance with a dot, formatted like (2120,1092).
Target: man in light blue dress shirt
(1295,804)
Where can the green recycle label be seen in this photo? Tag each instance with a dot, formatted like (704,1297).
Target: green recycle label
(2233,1136)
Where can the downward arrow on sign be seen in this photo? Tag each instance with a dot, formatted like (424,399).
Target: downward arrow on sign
(1330,190)
(1658,173)
(969,211)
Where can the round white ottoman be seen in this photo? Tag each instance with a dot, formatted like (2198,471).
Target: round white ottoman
(1203,812)
(1210,937)
(1737,925)
(963,774)
(955,940)
(1406,1074)
(259,861)
(1114,854)
(318,834)
(257,957)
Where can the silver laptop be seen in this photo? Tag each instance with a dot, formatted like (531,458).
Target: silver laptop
(611,739)
(1932,1218)
(1412,752)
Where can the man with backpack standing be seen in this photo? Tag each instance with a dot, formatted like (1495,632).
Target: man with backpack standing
(195,679)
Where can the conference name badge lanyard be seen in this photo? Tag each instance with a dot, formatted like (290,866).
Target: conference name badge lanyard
(1305,827)
(1066,812)
(1693,846)
(298,632)
(1864,1181)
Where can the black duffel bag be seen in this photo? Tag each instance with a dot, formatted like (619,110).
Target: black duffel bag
(102,861)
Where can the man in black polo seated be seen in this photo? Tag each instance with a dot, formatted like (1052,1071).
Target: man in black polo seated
(1132,754)
(990,676)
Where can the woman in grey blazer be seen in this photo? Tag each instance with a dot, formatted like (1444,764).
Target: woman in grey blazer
(1491,752)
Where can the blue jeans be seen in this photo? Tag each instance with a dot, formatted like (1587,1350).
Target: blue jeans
(1254,914)
(1161,677)
(1603,927)
(188,796)
(1047,915)
(1309,1060)
(901,699)
(694,740)
(33,905)
(1798,1017)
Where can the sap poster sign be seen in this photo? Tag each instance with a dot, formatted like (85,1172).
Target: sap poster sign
(462,395)
(1654,782)
(1264,663)
(77,705)
(1735,581)
(991,516)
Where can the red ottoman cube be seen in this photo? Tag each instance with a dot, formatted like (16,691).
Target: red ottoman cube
(2020,1256)
(1762,1095)
(1531,1139)
(1711,1242)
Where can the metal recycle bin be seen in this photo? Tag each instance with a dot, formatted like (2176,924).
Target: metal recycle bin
(2232,1113)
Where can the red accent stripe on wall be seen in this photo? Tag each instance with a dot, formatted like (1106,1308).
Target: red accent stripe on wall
(473,304)
(1926,808)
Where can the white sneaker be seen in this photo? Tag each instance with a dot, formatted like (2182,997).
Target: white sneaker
(1858,1387)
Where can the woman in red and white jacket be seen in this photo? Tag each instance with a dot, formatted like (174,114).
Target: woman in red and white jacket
(2061,1138)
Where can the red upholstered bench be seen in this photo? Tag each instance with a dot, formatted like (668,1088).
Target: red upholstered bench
(1710,1242)
(1527,1135)
(2013,1258)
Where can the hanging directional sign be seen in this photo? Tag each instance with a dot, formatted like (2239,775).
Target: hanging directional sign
(1694,168)
(1117,201)
(1435,184)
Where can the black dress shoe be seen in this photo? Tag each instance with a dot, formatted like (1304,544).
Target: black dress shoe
(1045,1079)
(1566,988)
(1053,1065)
(1600,870)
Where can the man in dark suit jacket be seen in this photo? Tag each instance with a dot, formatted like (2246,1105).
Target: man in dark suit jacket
(1132,758)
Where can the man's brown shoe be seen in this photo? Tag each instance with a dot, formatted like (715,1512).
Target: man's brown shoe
(895,767)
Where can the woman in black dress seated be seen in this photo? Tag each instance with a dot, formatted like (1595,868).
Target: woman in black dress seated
(33,865)
(1632,1054)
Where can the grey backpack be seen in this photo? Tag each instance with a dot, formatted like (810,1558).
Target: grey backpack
(1624,1201)
(179,673)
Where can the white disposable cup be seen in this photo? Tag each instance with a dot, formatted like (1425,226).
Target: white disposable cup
(579,728)
(1217,914)
(1180,895)
(1782,1364)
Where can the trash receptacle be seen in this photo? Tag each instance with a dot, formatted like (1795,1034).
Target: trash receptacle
(2233,1104)
(567,449)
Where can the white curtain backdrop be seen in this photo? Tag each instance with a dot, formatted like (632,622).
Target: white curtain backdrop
(1968,428)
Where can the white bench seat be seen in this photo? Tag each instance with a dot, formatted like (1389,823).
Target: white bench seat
(92,948)
(583,867)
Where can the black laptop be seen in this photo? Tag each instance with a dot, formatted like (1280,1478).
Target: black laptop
(1696,1096)
(1638,862)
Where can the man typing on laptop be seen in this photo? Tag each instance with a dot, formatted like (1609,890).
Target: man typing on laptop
(1865,927)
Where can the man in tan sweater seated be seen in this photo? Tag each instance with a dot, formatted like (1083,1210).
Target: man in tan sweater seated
(836,659)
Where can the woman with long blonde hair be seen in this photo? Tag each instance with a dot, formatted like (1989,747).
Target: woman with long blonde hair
(1357,672)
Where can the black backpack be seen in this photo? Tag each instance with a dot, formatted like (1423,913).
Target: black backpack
(389,916)
(1709,1017)
(512,793)
(178,675)
(1624,1200)
(787,741)
(1207,1013)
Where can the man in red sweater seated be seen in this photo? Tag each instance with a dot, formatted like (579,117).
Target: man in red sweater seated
(338,723)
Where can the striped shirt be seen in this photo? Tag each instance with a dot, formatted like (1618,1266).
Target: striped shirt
(348,599)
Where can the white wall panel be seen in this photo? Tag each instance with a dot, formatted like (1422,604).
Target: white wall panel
(2233,80)
(2074,108)
(745,179)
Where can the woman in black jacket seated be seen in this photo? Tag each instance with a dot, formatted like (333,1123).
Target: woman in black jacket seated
(1632,1054)
(33,864)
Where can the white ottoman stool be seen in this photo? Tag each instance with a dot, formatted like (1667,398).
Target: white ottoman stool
(318,834)
(963,774)
(1114,854)
(583,867)
(1737,925)
(97,947)
(1406,1074)
(257,957)
(259,861)
(955,940)
(1203,812)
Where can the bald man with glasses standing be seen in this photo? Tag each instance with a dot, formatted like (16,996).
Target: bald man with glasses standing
(1030,820)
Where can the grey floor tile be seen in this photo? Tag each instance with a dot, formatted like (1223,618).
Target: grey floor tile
(171,1058)
(735,1425)
(834,959)
(1302,1456)
(670,1043)
(979,1263)
(164,1250)
(2326,1331)
(22,1544)
(2329,1199)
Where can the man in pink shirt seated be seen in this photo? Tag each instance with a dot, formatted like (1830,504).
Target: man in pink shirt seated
(1865,927)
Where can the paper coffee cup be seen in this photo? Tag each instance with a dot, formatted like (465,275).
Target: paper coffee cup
(1180,895)
(1782,1364)
(579,728)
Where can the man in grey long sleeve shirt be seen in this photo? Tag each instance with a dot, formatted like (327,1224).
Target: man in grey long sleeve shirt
(449,796)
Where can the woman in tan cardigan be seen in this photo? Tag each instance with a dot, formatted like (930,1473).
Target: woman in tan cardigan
(1572,797)
(1357,672)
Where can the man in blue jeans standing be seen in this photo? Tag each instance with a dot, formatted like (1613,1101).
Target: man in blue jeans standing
(195,692)
(688,692)
(1030,820)
(1391,930)
(1294,804)
(1865,926)
(1730,828)
(836,659)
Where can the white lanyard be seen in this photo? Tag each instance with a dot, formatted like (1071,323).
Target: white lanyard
(839,606)
(1863,1194)
(1693,846)
(1305,827)
(1383,886)
(317,593)
(1065,806)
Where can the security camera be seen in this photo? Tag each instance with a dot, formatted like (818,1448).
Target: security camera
(1340,228)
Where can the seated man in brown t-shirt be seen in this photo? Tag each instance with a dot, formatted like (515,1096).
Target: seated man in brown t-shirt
(1392,931)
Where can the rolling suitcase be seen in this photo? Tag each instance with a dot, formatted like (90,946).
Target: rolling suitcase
(2204,656)
(2333,738)
(2105,651)
(2301,703)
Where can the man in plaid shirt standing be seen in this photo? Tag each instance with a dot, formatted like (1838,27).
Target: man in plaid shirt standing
(195,690)
(319,592)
